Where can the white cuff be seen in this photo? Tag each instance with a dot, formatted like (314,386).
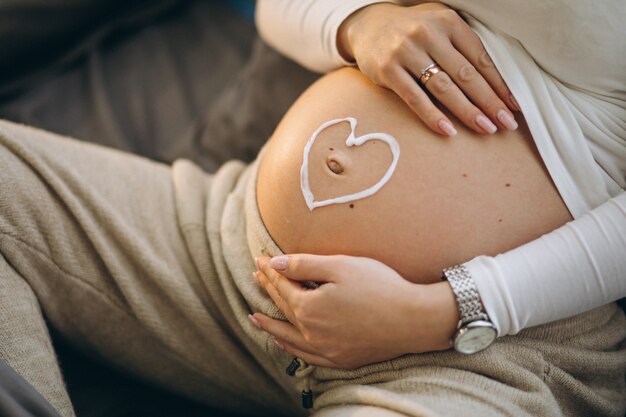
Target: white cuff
(306,30)
(578,267)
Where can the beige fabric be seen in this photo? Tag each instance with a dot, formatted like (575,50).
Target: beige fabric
(115,249)
(148,267)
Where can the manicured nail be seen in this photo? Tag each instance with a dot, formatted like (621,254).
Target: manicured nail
(254,321)
(514,103)
(446,127)
(485,124)
(506,119)
(256,278)
(279,263)
(279,344)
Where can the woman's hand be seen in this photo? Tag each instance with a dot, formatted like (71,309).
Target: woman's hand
(362,312)
(393,44)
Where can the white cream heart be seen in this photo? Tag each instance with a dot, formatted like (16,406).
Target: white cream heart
(351,141)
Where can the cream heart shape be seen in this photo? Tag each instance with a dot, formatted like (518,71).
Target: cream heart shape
(351,141)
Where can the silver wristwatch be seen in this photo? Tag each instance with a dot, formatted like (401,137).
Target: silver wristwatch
(475,331)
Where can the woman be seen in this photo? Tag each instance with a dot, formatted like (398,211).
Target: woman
(558,104)
(149,267)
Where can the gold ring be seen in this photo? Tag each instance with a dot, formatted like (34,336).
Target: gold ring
(428,72)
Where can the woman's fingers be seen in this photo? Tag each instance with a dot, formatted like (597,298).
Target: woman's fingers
(285,286)
(393,44)
(471,47)
(474,98)
(443,87)
(284,331)
(300,267)
(289,338)
(407,88)
(279,299)
(309,358)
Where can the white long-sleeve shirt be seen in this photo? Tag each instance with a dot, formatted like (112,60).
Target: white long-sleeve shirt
(565,62)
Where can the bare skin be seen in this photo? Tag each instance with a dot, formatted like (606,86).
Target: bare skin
(394,55)
(448,201)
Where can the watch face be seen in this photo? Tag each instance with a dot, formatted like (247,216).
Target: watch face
(475,337)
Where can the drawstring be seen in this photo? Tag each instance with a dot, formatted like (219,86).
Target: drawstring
(301,370)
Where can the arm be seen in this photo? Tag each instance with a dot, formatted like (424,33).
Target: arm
(393,45)
(579,266)
(571,270)
(363,311)
(306,30)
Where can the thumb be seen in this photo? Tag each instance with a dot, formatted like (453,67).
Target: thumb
(304,267)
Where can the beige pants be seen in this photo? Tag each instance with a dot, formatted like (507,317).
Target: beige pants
(149,267)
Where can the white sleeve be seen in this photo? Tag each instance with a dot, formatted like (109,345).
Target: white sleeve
(306,30)
(580,266)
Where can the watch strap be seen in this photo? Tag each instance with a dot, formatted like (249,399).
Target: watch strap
(466,293)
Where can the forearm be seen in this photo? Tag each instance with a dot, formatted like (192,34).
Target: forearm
(306,30)
(578,267)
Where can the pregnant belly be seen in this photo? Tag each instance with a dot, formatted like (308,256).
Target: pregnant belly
(448,200)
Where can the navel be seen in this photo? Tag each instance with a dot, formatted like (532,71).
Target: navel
(334,165)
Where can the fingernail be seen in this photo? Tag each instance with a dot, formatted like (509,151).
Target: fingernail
(254,321)
(256,262)
(514,103)
(485,124)
(446,127)
(279,263)
(256,278)
(279,344)
(506,119)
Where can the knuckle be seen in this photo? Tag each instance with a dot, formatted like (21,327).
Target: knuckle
(422,33)
(386,68)
(412,98)
(297,263)
(431,117)
(469,116)
(484,60)
(494,108)
(467,73)
(396,47)
(449,16)
(441,84)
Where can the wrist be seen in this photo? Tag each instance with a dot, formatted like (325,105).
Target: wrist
(350,27)
(475,330)
(343,39)
(446,310)
(434,316)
